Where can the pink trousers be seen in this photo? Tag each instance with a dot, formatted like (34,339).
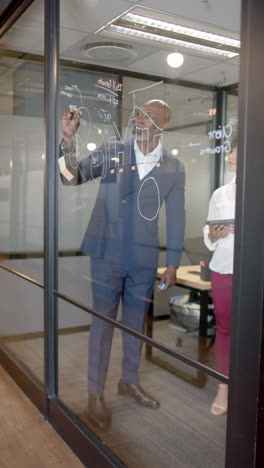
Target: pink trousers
(222,298)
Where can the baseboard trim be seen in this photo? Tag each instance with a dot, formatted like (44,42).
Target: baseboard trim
(24,379)
(40,334)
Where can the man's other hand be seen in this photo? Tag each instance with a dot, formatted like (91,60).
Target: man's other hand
(168,278)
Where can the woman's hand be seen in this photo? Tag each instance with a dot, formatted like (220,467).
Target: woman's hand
(218,231)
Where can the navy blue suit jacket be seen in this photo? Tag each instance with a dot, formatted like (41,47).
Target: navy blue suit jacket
(124,223)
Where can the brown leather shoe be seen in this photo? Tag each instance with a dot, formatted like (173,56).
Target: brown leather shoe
(136,392)
(98,413)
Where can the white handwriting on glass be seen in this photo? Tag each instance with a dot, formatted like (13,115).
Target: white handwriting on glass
(221,132)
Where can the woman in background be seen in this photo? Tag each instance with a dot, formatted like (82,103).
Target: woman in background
(220,239)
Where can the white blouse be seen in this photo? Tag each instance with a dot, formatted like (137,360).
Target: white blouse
(222,206)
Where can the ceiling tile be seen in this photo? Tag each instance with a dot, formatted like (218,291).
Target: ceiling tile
(218,75)
(156,64)
(222,13)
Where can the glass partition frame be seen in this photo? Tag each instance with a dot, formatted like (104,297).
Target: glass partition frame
(50,329)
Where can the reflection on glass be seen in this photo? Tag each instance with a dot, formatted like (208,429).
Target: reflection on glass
(219,238)
(187,137)
(123,156)
(21,322)
(181,432)
(21,167)
(136,176)
(21,194)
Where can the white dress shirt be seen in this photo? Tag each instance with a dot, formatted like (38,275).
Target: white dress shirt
(145,163)
(222,206)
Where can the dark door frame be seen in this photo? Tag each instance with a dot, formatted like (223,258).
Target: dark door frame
(245,428)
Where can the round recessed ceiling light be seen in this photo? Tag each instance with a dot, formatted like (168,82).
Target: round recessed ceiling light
(175,60)
(91,146)
(109,51)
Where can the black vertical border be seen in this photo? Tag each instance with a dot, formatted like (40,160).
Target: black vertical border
(245,447)
(219,121)
(51,90)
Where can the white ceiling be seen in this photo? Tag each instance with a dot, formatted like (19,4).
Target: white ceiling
(80,20)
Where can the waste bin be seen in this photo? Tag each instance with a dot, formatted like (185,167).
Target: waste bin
(184,314)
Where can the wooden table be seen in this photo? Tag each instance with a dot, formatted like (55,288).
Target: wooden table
(187,277)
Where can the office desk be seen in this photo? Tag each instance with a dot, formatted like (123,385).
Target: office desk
(187,277)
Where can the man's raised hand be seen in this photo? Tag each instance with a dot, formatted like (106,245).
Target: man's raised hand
(70,122)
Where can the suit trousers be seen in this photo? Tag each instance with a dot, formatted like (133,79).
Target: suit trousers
(111,283)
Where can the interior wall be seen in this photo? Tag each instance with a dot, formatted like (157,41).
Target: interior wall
(21,180)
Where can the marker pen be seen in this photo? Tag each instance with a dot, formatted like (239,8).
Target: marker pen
(74,109)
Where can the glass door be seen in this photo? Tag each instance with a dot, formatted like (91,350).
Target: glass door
(143,132)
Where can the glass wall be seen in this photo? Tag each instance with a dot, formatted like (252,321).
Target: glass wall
(21,188)
(135,139)
(139,145)
(178,433)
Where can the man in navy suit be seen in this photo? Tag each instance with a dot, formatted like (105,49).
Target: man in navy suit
(122,239)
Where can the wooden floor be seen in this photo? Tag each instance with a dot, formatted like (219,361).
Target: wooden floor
(181,433)
(26,440)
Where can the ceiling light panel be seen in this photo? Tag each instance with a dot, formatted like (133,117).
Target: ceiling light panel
(195,33)
(170,41)
(172,34)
